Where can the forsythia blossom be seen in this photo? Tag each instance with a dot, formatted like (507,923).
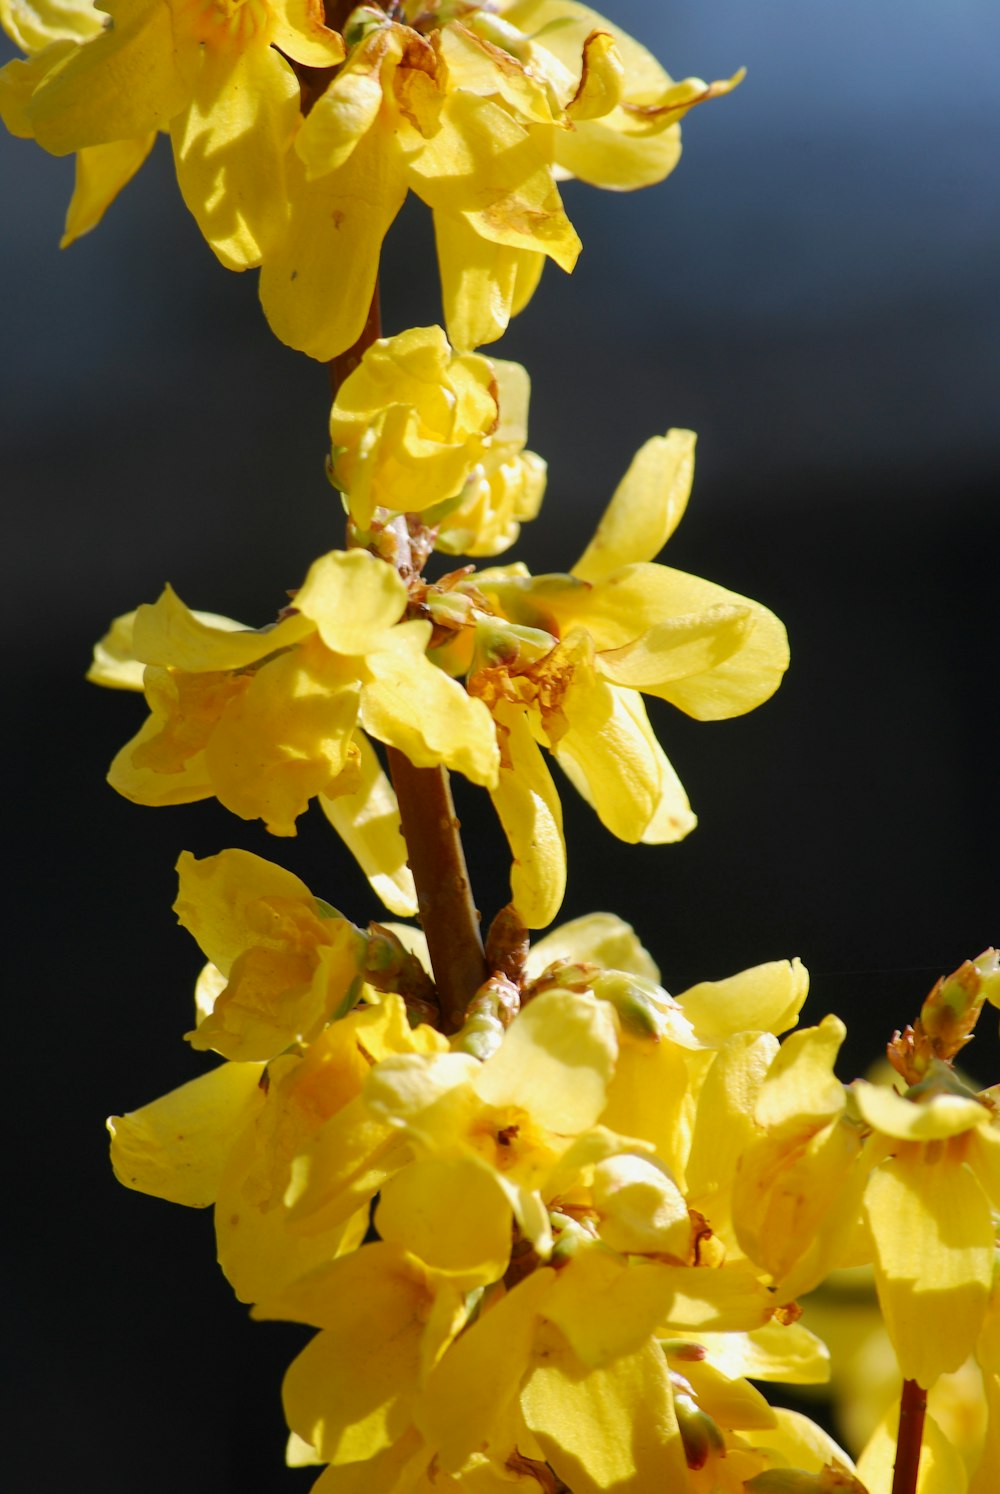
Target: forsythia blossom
(296,143)
(542,1292)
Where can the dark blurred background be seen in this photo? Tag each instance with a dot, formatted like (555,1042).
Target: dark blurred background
(815,292)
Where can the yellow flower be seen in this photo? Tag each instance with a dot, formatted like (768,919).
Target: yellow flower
(469,114)
(507,488)
(410,424)
(492,1132)
(219,77)
(928,1205)
(265,720)
(565,666)
(798,1183)
(242,1137)
(48,31)
(287,965)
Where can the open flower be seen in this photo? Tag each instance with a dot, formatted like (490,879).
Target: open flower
(265,720)
(567,663)
(219,78)
(49,31)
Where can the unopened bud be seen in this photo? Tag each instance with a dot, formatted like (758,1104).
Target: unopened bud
(389,966)
(361,23)
(951,1011)
(505,643)
(507,944)
(639,1002)
(699,1433)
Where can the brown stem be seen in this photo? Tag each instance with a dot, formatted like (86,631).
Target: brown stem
(437,860)
(912,1409)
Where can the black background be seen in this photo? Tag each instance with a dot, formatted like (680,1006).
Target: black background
(814,291)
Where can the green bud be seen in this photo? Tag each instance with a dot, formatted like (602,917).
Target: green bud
(639,1002)
(504,643)
(361,23)
(699,1433)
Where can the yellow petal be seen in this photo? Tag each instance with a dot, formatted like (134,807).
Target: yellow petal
(795,1203)
(766,998)
(611,1428)
(606,1307)
(725,1125)
(353,598)
(176,1147)
(452,1215)
(775,1351)
(216,898)
(642,1209)
(121,85)
(411,704)
(601,81)
(731,1403)
(476,65)
(620,607)
(368,823)
(678,649)
(185,784)
(285,738)
(33,24)
(333,239)
(480,1372)
(115,664)
(478,281)
(338,120)
(612,757)
(932,1230)
(555,1061)
(301,32)
(985,1476)
(802,1444)
(258,1250)
(480,154)
(596,938)
(170,634)
(411,423)
(934,1118)
(725,1299)
(230,147)
(101,173)
(646,507)
(529,810)
(801,1089)
(350,1392)
(19,81)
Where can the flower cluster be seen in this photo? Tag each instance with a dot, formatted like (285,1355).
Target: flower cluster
(543,1286)
(295,143)
(478,671)
(548,1221)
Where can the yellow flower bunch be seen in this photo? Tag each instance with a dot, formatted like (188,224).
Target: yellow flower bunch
(541,1290)
(550,1223)
(295,143)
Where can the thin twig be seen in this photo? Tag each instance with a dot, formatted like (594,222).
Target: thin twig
(909,1439)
